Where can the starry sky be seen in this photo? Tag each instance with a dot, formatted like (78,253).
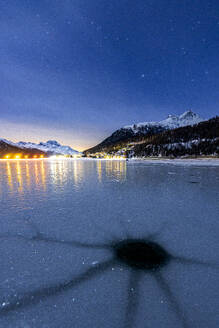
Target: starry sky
(77,70)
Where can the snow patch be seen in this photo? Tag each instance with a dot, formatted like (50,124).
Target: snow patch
(51,146)
(171,122)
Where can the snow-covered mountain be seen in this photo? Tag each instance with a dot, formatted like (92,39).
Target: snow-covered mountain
(11,143)
(51,146)
(198,140)
(132,132)
(11,150)
(171,122)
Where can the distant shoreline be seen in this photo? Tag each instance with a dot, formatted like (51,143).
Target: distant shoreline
(200,161)
(211,161)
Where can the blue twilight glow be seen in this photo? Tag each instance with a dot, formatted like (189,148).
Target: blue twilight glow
(77,70)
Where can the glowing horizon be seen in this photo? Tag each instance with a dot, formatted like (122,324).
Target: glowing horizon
(24,132)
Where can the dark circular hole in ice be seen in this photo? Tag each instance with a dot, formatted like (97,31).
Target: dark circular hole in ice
(141,254)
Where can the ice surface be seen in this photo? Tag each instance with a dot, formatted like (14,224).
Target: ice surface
(59,220)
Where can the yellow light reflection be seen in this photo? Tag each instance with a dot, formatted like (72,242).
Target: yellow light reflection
(27,174)
(116,169)
(57,171)
(23,176)
(43,176)
(19,177)
(99,170)
(36,173)
(75,172)
(10,183)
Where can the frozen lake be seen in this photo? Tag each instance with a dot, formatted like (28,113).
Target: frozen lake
(59,221)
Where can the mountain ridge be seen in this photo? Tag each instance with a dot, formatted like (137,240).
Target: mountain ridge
(9,149)
(137,131)
(51,147)
(201,139)
(172,121)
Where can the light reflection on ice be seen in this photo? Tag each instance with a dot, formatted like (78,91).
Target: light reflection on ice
(62,234)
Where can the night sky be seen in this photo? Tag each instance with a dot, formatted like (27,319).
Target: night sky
(77,70)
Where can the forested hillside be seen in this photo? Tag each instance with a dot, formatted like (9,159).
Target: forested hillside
(198,140)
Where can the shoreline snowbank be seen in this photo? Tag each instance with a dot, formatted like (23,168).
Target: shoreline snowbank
(179,161)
